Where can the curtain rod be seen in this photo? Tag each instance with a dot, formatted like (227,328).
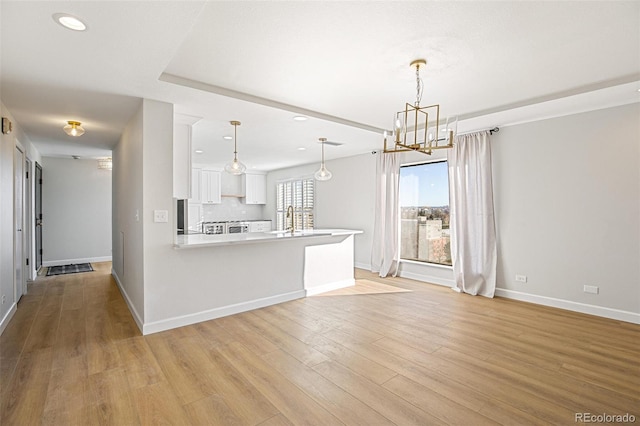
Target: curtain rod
(491,131)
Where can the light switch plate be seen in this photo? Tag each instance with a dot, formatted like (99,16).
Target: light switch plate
(161,216)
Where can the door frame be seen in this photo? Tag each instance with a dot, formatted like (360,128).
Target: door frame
(19,278)
(29,225)
(37,216)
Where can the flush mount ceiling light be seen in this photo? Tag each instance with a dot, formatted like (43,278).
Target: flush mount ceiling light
(69,21)
(322,173)
(420,128)
(235,167)
(73,128)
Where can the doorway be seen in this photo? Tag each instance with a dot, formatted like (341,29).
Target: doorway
(38,216)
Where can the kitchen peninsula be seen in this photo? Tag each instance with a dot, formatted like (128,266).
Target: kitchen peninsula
(232,273)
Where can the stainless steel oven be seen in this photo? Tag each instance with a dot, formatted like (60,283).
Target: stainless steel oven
(212,228)
(237,227)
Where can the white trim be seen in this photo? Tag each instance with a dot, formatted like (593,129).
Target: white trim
(76,261)
(427,278)
(132,308)
(425,263)
(330,286)
(584,308)
(365,266)
(223,311)
(7,318)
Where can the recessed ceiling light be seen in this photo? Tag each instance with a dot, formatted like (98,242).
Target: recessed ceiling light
(227,137)
(300,118)
(199,151)
(69,21)
(302,148)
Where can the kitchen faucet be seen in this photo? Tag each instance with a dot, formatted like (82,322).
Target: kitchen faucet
(290,215)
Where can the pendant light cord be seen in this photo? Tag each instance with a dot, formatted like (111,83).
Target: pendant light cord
(235,141)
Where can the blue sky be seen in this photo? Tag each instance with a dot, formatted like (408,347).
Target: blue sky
(424,185)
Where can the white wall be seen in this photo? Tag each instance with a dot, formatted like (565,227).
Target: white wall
(7,148)
(165,287)
(7,260)
(345,201)
(127,216)
(567,203)
(76,211)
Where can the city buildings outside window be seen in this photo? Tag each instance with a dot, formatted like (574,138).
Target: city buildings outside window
(299,194)
(424,213)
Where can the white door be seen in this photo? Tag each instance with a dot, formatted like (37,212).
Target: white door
(28,224)
(18,193)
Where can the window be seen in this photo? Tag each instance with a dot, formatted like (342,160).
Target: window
(424,213)
(298,194)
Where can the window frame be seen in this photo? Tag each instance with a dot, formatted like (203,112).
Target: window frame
(303,214)
(418,261)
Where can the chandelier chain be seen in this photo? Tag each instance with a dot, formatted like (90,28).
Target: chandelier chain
(419,86)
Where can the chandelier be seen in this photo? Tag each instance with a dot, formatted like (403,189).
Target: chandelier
(419,128)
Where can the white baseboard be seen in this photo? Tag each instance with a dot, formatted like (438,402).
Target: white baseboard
(365,266)
(427,278)
(330,286)
(76,261)
(5,321)
(132,309)
(223,311)
(584,308)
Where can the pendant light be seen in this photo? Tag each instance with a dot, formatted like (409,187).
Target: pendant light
(322,173)
(73,128)
(235,167)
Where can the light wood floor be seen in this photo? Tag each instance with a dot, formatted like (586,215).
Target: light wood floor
(422,355)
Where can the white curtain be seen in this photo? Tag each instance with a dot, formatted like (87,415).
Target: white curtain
(385,253)
(473,233)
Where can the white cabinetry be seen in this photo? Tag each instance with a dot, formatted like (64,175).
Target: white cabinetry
(196,185)
(254,188)
(181,160)
(211,189)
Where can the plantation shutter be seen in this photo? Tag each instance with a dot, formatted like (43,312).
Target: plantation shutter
(300,195)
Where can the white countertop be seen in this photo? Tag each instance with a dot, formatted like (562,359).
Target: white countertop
(203,240)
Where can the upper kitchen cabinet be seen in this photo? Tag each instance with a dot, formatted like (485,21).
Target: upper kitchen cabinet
(196,185)
(254,188)
(211,187)
(182,177)
(182,161)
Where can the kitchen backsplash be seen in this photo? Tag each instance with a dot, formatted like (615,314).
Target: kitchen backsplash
(232,208)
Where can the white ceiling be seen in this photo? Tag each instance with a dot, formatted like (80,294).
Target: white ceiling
(342,64)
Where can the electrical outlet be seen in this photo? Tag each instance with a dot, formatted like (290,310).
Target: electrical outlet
(521,278)
(592,289)
(161,216)
(4,298)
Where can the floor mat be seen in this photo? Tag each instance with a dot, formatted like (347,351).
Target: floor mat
(69,269)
